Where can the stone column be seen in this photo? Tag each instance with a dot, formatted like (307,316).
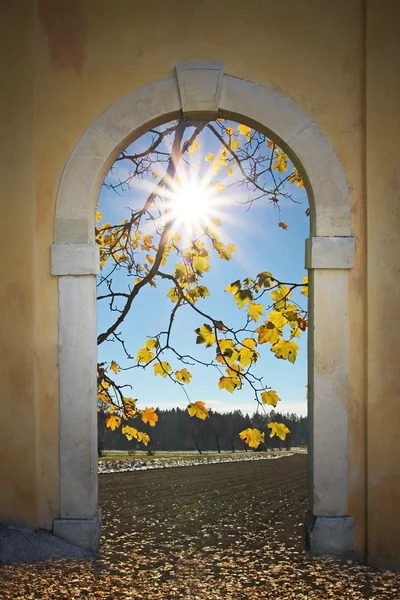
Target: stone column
(329,528)
(80,520)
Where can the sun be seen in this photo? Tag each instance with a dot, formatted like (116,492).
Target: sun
(191,205)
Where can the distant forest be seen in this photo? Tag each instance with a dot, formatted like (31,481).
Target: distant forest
(176,430)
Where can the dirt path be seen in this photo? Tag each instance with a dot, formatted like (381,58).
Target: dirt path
(222,532)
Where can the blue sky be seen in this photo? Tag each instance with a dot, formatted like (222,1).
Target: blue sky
(261,245)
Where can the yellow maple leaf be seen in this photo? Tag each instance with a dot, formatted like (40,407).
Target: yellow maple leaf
(114,367)
(162,368)
(219,186)
(268,333)
(99,216)
(280,295)
(151,343)
(304,289)
(200,264)
(270,144)
(205,335)
(234,144)
(144,355)
(173,295)
(244,130)
(228,383)
(278,429)
(112,422)
(198,409)
(277,318)
(209,157)
(285,349)
(154,174)
(193,147)
(149,416)
(255,311)
(229,171)
(130,407)
(233,287)
(270,398)
(247,356)
(129,432)
(252,437)
(242,297)
(229,130)
(183,375)
(142,437)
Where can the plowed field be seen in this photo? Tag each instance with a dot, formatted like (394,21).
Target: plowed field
(210,532)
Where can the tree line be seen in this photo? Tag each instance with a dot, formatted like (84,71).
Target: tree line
(177,431)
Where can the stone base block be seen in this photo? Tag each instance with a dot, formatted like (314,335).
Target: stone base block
(330,536)
(84,533)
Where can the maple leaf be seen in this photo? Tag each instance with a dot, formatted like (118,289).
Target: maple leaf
(244,130)
(149,416)
(130,407)
(270,397)
(200,264)
(114,367)
(162,368)
(285,349)
(282,291)
(277,318)
(183,375)
(242,297)
(255,311)
(282,225)
(304,289)
(233,287)
(154,174)
(252,437)
(229,171)
(144,355)
(278,429)
(151,343)
(205,335)
(228,383)
(268,333)
(142,437)
(198,409)
(112,422)
(129,432)
(247,356)
(209,157)
(193,147)
(173,295)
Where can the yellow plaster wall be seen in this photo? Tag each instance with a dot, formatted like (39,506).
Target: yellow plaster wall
(18,435)
(383,186)
(80,57)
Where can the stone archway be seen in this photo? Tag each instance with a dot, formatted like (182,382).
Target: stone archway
(203,90)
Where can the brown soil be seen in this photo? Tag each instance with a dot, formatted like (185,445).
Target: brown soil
(230,531)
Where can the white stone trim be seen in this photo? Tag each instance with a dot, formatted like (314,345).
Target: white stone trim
(330,252)
(200,85)
(77,357)
(328,359)
(75,259)
(195,92)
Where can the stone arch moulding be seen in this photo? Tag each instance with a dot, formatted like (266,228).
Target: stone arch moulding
(203,90)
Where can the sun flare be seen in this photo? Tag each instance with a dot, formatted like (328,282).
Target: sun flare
(191,205)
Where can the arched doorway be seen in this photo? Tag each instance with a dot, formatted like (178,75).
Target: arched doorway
(202,90)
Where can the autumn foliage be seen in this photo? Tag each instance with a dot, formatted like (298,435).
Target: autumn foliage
(271,317)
